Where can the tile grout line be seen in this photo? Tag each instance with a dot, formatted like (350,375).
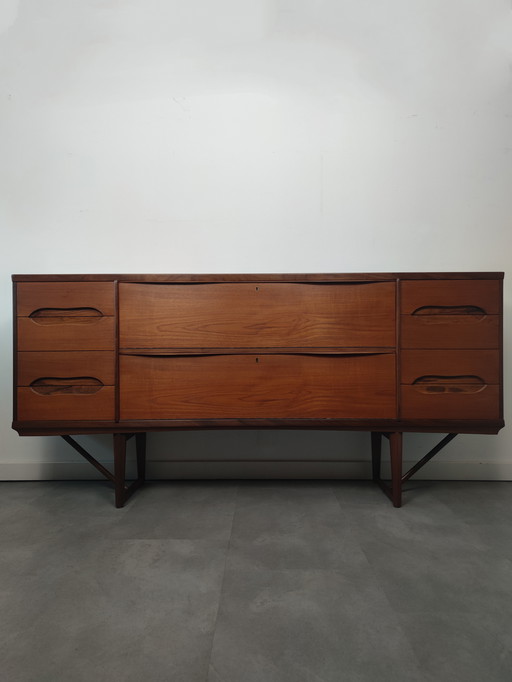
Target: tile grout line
(378,583)
(221,591)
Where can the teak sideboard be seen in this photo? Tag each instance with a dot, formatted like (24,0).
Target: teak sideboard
(386,353)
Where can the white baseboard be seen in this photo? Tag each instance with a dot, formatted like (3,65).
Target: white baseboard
(167,469)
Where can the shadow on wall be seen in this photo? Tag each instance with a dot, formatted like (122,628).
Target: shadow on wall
(221,454)
(255,454)
(260,454)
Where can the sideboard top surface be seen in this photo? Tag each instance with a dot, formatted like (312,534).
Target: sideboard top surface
(252,277)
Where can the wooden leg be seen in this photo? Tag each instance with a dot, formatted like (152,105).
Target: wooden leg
(395,450)
(118,478)
(376,454)
(394,491)
(120,468)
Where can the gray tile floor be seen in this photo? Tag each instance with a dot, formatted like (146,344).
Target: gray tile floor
(255,582)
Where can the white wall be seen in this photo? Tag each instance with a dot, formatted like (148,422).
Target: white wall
(254,136)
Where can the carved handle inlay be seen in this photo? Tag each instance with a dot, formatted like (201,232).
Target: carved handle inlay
(465,383)
(473,310)
(72,385)
(48,316)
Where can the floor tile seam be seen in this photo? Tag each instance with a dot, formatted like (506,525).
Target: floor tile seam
(445,613)
(432,555)
(221,591)
(296,570)
(438,612)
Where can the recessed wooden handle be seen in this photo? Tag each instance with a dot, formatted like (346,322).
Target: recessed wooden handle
(66,312)
(434,383)
(51,316)
(72,385)
(198,352)
(450,310)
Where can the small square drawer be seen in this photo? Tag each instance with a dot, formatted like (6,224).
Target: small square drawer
(483,404)
(450,331)
(68,365)
(99,406)
(42,299)
(66,386)
(450,384)
(65,316)
(74,333)
(455,297)
(451,314)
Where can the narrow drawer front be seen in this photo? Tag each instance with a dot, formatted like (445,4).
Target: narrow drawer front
(73,366)
(65,407)
(450,331)
(450,384)
(454,295)
(257,386)
(484,404)
(257,315)
(74,333)
(65,297)
(484,364)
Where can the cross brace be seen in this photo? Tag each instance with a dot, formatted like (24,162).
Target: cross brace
(394,491)
(122,489)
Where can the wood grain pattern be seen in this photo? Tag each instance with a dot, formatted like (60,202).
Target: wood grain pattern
(94,333)
(482,363)
(85,407)
(32,296)
(483,404)
(463,384)
(68,385)
(58,315)
(450,331)
(483,294)
(35,365)
(263,315)
(295,313)
(443,383)
(267,386)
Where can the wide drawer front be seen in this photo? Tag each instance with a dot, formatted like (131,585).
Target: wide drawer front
(60,386)
(257,386)
(242,315)
(450,384)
